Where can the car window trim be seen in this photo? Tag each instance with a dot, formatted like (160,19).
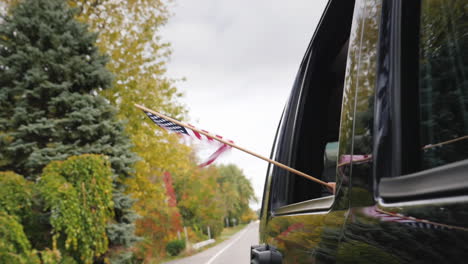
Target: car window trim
(319,204)
(443,181)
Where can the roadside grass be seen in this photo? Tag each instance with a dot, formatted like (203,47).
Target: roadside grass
(227,233)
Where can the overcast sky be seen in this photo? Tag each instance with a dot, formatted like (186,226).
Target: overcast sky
(240,59)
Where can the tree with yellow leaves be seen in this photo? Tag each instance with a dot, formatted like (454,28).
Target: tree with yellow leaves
(129,34)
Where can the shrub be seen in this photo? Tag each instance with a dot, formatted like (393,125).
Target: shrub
(174,247)
(14,245)
(78,194)
(15,194)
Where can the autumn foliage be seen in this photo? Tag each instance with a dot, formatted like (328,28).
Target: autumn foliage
(85,177)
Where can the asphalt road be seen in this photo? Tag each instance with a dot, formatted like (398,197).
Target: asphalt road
(234,250)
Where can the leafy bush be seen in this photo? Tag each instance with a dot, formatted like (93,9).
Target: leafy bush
(53,256)
(15,194)
(78,193)
(174,247)
(14,245)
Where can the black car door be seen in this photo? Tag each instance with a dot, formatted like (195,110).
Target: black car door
(409,201)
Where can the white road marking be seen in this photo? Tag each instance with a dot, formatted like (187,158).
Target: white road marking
(227,246)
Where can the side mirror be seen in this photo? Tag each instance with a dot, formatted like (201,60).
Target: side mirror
(265,254)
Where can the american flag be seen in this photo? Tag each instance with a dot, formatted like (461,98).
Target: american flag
(186,131)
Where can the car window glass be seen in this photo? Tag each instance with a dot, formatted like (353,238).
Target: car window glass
(443,82)
(312,116)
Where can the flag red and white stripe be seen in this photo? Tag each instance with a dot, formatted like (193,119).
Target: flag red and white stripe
(192,134)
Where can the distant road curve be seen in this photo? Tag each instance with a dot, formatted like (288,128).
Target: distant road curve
(235,250)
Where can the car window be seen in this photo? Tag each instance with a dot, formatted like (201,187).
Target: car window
(443,82)
(308,140)
(428,96)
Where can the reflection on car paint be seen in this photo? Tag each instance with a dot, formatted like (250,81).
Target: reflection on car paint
(382,215)
(359,227)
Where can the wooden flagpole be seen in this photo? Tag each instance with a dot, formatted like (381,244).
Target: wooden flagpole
(237,147)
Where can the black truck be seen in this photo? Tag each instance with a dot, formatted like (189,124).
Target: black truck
(379,107)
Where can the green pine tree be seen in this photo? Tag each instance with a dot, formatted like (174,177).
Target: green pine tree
(50,75)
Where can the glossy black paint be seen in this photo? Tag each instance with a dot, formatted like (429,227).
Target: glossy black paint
(378,140)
